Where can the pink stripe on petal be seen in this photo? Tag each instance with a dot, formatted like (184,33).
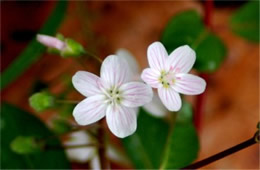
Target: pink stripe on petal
(151,77)
(90,110)
(182,58)
(121,120)
(189,84)
(135,94)
(170,98)
(157,55)
(115,71)
(86,83)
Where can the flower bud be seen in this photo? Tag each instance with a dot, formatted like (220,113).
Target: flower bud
(41,101)
(51,42)
(72,48)
(65,47)
(25,145)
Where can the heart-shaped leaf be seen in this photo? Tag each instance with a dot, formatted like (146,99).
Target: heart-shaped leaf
(188,28)
(245,22)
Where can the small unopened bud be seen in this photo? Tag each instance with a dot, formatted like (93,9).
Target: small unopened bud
(25,145)
(65,47)
(41,101)
(51,42)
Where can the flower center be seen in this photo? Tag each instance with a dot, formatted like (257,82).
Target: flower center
(167,79)
(114,96)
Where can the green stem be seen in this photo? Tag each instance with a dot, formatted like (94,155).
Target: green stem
(94,56)
(67,101)
(80,146)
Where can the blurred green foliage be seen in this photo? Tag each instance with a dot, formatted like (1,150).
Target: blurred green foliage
(245,21)
(156,144)
(187,28)
(34,50)
(16,123)
(183,141)
(60,126)
(145,147)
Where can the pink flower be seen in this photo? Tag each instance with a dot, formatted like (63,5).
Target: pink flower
(111,95)
(169,74)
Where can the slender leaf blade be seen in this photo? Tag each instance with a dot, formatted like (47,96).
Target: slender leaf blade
(34,50)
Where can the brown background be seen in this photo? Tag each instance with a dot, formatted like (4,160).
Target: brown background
(232,105)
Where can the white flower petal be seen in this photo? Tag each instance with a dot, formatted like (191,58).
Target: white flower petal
(189,84)
(157,56)
(86,83)
(170,98)
(156,107)
(151,77)
(115,71)
(182,59)
(90,110)
(95,163)
(82,154)
(135,94)
(121,120)
(50,41)
(133,65)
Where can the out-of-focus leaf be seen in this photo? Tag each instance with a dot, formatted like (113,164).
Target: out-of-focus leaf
(34,49)
(145,146)
(16,122)
(25,145)
(188,28)
(245,22)
(183,144)
(60,126)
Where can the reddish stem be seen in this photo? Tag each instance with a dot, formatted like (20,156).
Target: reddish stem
(208,8)
(199,105)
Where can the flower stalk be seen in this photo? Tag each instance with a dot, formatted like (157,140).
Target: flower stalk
(104,163)
(67,101)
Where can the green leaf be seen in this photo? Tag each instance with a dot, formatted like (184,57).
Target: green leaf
(183,143)
(60,126)
(34,49)
(245,22)
(188,28)
(16,122)
(145,146)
